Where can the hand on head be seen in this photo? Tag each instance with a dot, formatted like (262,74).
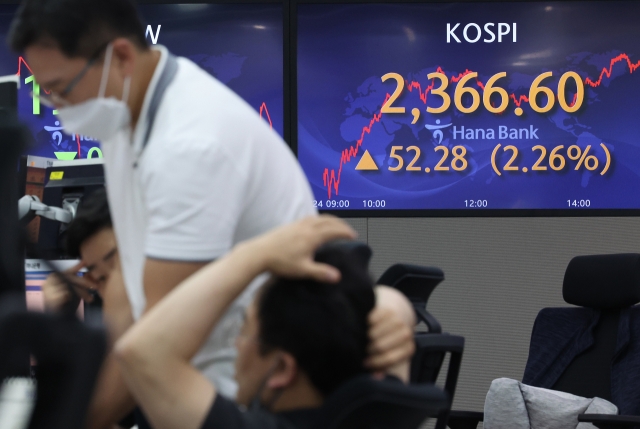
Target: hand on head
(289,251)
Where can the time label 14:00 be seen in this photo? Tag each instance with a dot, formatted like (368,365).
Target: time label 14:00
(489,89)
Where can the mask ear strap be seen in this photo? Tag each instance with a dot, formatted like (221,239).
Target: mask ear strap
(107,67)
(256,402)
(127,88)
(276,396)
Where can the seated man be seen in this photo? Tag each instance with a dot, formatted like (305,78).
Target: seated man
(304,335)
(91,239)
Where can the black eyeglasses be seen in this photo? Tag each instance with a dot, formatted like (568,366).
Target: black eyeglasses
(53,99)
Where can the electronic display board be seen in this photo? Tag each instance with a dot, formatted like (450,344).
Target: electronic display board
(470,106)
(239,44)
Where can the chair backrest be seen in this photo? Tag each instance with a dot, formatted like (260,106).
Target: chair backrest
(367,403)
(427,362)
(603,285)
(69,355)
(416,283)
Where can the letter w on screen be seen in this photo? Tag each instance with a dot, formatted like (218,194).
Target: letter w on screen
(154,37)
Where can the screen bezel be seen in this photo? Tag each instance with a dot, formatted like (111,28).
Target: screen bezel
(399,213)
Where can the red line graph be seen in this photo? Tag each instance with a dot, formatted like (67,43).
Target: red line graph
(263,109)
(332,180)
(21,61)
(607,72)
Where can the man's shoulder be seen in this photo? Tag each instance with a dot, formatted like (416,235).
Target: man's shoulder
(199,109)
(198,91)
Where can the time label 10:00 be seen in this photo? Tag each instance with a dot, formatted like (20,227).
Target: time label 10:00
(489,89)
(344,204)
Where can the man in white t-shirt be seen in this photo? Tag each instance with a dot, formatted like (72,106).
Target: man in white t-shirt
(191,169)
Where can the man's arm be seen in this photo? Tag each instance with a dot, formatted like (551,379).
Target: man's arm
(112,400)
(155,354)
(160,277)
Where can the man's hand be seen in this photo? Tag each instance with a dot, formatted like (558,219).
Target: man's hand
(391,325)
(289,251)
(56,292)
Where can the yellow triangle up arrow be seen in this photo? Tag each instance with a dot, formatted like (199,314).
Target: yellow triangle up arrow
(367,163)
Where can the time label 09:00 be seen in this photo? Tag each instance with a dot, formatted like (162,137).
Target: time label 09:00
(345,204)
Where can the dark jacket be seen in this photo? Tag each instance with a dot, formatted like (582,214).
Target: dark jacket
(561,334)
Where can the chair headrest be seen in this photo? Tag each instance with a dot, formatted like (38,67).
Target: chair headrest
(414,281)
(603,281)
(364,402)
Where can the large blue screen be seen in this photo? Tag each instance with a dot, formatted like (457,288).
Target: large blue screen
(509,105)
(241,45)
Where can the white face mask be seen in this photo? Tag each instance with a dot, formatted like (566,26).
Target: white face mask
(100,118)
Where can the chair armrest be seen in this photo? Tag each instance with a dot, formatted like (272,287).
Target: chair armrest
(464,419)
(610,421)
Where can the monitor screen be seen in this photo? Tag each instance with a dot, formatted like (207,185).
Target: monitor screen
(521,107)
(240,44)
(37,272)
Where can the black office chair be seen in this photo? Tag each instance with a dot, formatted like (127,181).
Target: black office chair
(573,349)
(367,403)
(69,354)
(417,283)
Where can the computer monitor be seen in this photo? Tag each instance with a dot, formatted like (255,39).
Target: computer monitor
(13,138)
(66,182)
(9,94)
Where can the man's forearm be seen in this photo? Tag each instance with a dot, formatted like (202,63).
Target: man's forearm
(154,355)
(112,401)
(178,325)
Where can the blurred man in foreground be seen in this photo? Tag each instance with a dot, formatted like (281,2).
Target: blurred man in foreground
(304,335)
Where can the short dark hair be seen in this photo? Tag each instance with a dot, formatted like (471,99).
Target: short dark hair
(324,326)
(92,216)
(79,28)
